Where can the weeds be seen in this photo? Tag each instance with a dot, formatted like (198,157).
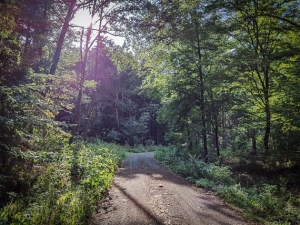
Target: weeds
(69,184)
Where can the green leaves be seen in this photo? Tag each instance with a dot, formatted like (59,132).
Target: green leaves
(57,198)
(90,84)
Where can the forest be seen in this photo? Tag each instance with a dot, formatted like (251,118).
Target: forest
(212,86)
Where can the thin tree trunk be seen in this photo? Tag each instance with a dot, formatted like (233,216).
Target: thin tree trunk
(62,35)
(117,111)
(253,138)
(202,102)
(217,140)
(268,125)
(189,141)
(77,117)
(95,75)
(216,127)
(89,116)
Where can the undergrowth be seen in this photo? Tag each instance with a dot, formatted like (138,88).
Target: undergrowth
(262,202)
(65,185)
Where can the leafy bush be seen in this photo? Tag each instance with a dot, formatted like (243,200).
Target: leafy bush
(69,184)
(189,166)
(205,183)
(261,202)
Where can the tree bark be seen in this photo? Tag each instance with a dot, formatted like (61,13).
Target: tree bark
(253,138)
(216,126)
(62,35)
(87,125)
(202,102)
(77,117)
(77,113)
(268,122)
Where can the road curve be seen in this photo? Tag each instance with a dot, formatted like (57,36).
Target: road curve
(144,192)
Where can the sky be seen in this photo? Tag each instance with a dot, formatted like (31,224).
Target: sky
(82,18)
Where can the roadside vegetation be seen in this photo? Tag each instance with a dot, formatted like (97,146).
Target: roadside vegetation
(265,195)
(58,187)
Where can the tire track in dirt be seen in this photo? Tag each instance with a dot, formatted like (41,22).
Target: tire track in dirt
(145,192)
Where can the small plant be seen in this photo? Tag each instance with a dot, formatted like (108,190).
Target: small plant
(206,183)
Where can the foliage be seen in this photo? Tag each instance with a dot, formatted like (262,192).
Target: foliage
(225,73)
(116,110)
(191,167)
(262,202)
(68,185)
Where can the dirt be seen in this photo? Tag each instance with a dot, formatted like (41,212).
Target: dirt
(144,192)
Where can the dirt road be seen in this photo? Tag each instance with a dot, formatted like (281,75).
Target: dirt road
(145,192)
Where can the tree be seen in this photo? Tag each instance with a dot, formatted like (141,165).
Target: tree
(187,31)
(107,15)
(259,45)
(70,14)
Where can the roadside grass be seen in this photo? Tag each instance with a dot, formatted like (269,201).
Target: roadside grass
(268,201)
(64,185)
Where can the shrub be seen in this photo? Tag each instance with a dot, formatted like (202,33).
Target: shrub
(71,183)
(189,166)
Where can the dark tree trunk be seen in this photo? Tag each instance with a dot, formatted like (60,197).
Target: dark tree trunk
(217,140)
(267,110)
(62,35)
(87,125)
(189,140)
(77,116)
(202,102)
(216,126)
(253,138)
(268,127)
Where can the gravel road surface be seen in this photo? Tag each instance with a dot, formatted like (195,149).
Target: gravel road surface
(144,192)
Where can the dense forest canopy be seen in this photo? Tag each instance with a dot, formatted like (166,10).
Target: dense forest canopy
(214,77)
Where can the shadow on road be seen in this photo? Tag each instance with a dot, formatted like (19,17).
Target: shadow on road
(139,205)
(165,197)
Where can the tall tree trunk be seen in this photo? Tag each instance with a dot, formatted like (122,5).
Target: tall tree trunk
(62,35)
(117,111)
(87,125)
(223,130)
(189,140)
(265,84)
(89,116)
(77,112)
(216,126)
(253,138)
(202,102)
(217,140)
(77,116)
(268,122)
